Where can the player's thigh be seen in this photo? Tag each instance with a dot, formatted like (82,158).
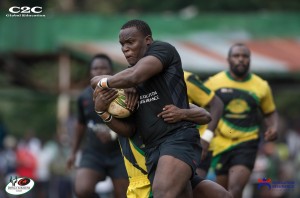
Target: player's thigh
(238,177)
(171,173)
(86,179)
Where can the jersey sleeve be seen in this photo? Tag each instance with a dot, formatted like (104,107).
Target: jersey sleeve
(163,51)
(198,93)
(267,102)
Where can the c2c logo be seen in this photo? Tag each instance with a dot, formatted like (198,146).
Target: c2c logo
(25,9)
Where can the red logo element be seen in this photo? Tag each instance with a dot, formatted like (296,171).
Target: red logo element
(24,181)
(264,180)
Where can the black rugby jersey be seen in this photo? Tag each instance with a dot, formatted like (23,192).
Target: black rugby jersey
(167,87)
(88,117)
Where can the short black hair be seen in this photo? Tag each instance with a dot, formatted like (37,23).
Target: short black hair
(237,45)
(142,26)
(101,56)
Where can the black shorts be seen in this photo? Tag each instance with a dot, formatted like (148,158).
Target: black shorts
(112,165)
(184,145)
(205,164)
(242,154)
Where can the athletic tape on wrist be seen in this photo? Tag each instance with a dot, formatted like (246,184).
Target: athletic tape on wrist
(108,119)
(207,135)
(100,113)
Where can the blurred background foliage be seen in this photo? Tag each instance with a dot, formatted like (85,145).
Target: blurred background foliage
(29,83)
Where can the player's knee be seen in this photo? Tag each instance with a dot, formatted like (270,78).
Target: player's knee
(236,189)
(84,192)
(160,190)
(225,194)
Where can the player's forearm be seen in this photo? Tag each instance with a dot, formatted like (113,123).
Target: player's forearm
(78,136)
(216,110)
(196,114)
(271,120)
(124,79)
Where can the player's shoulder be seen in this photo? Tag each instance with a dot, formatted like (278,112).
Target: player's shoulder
(161,44)
(220,75)
(258,80)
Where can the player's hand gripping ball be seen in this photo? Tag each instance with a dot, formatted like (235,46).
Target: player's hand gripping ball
(117,107)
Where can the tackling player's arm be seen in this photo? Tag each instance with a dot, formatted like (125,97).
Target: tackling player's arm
(172,114)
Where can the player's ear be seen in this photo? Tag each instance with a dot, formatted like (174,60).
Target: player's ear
(149,39)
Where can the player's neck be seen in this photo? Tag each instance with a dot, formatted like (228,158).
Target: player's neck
(238,78)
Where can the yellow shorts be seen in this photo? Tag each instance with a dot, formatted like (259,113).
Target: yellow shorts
(139,187)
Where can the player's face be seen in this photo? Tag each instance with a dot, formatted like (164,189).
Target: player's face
(100,67)
(239,61)
(134,44)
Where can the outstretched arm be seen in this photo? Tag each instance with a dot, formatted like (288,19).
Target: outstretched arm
(172,114)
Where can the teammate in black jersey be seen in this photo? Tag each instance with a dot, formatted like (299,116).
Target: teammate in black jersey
(101,155)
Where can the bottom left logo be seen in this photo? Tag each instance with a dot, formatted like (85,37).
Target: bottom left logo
(19,186)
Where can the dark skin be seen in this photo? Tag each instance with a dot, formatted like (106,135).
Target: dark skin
(134,45)
(238,176)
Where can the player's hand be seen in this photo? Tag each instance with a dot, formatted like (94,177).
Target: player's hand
(270,134)
(103,97)
(204,146)
(132,98)
(171,114)
(71,161)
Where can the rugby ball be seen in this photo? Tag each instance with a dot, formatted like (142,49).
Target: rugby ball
(117,107)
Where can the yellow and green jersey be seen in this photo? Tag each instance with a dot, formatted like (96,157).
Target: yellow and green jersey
(242,101)
(198,93)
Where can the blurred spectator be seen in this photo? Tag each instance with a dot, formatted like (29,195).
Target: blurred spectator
(293,139)
(2,133)
(60,185)
(46,154)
